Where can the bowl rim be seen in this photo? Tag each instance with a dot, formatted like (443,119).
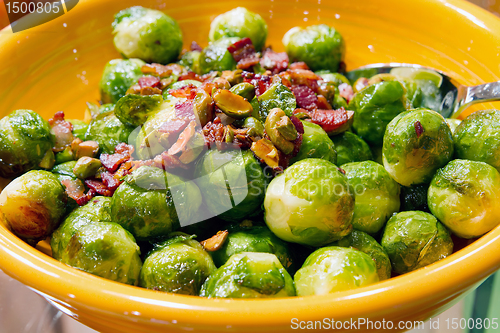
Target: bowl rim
(74,288)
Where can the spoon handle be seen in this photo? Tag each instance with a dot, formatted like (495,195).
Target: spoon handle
(468,96)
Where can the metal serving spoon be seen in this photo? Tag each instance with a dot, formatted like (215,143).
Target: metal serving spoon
(455,98)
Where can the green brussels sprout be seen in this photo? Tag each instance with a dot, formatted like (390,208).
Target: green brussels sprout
(178,265)
(351,148)
(33,205)
(25,138)
(153,203)
(147,34)
(191,60)
(232,183)
(477,138)
(253,239)
(331,269)
(315,144)
(374,107)
(319,46)
(376,195)
(239,22)
(133,110)
(453,123)
(276,96)
(106,107)
(310,203)
(416,144)
(64,169)
(64,173)
(414,198)
(415,239)
(104,249)
(108,131)
(464,196)
(117,77)
(79,128)
(365,243)
(249,275)
(336,78)
(96,210)
(413,92)
(216,57)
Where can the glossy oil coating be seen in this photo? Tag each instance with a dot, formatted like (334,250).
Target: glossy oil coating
(57,66)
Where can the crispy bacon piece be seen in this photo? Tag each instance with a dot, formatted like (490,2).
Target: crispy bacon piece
(299,65)
(75,190)
(123,153)
(166,161)
(195,46)
(98,187)
(323,103)
(260,82)
(109,180)
(182,141)
(329,120)
(174,126)
(190,76)
(298,124)
(188,92)
(345,90)
(274,61)
(244,53)
(305,97)
(302,77)
(419,129)
(123,148)
(62,130)
(149,81)
(185,109)
(83,200)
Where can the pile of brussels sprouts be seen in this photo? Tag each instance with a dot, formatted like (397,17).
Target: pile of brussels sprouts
(234,171)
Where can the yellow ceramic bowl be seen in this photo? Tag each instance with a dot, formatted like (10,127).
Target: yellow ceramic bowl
(57,66)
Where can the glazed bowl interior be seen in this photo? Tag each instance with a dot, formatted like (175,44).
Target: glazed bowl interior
(57,66)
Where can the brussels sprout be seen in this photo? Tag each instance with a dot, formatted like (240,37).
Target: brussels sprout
(351,148)
(33,205)
(104,249)
(415,239)
(147,34)
(79,128)
(413,92)
(96,210)
(276,96)
(25,138)
(191,60)
(319,46)
(374,107)
(153,203)
(249,275)
(178,265)
(216,57)
(365,243)
(414,198)
(232,183)
(117,77)
(331,269)
(108,131)
(133,110)
(66,176)
(239,22)
(310,203)
(416,144)
(376,195)
(315,144)
(453,123)
(464,195)
(253,239)
(477,138)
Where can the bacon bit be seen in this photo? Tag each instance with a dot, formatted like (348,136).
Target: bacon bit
(299,65)
(195,46)
(174,126)
(298,124)
(62,130)
(185,109)
(166,161)
(330,120)
(419,129)
(274,61)
(158,69)
(110,181)
(345,91)
(190,76)
(260,82)
(243,53)
(182,141)
(73,188)
(123,153)
(342,171)
(305,97)
(99,187)
(123,148)
(302,77)
(149,81)
(83,200)
(215,242)
(188,92)
(323,103)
